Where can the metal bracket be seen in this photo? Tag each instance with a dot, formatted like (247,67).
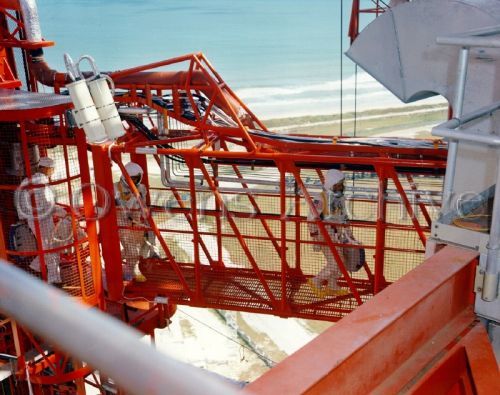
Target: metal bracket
(478,280)
(161,300)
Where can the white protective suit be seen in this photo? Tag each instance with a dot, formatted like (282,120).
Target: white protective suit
(129,214)
(43,213)
(332,211)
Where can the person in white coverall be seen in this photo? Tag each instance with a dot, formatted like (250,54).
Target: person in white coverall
(129,214)
(330,204)
(43,211)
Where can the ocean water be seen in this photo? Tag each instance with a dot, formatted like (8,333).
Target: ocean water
(282,57)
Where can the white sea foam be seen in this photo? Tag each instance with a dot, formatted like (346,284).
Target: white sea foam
(363,93)
(364,82)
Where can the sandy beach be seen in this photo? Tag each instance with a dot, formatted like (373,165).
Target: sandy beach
(410,121)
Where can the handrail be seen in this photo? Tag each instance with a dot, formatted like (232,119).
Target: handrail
(448,129)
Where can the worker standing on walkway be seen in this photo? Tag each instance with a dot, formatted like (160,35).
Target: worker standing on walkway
(129,214)
(330,205)
(42,212)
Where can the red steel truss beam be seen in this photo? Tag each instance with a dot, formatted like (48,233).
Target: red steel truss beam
(300,157)
(422,207)
(200,76)
(408,206)
(10,4)
(9,34)
(412,327)
(108,223)
(378,7)
(468,368)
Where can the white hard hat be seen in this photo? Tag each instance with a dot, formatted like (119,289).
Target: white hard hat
(333,177)
(45,161)
(133,169)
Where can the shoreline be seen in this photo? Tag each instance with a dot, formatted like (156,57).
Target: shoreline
(408,121)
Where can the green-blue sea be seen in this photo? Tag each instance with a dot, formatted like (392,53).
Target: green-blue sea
(282,57)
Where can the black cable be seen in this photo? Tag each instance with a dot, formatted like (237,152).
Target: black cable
(367,141)
(144,130)
(373,142)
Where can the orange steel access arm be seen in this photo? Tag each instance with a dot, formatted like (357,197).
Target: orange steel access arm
(417,334)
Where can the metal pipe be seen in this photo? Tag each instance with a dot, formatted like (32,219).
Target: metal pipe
(463,136)
(38,66)
(471,41)
(470,116)
(313,185)
(311,159)
(492,273)
(473,38)
(31,20)
(165,175)
(453,145)
(100,341)
(170,182)
(482,31)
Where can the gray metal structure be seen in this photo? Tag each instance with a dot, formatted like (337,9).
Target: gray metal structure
(451,48)
(399,49)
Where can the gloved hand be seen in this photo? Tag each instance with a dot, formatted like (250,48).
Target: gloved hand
(132,203)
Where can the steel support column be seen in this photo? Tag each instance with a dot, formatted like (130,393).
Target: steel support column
(108,227)
(90,215)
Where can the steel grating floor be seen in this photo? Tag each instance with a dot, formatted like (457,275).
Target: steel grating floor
(240,289)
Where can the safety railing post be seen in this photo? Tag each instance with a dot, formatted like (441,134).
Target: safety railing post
(458,103)
(298,226)
(379,282)
(283,222)
(90,215)
(191,162)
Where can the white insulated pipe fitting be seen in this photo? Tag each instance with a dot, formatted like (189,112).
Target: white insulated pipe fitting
(85,112)
(105,105)
(95,110)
